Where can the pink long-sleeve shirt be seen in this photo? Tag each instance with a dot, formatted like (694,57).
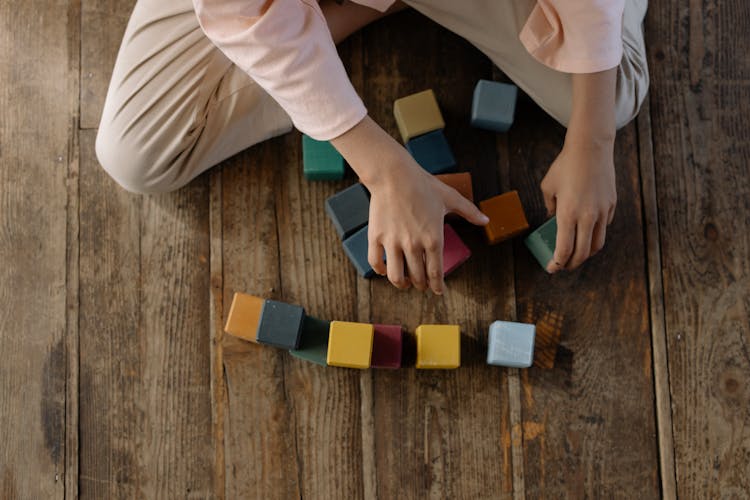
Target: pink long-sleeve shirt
(286,47)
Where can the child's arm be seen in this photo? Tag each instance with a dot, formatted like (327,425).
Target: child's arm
(407,207)
(580,185)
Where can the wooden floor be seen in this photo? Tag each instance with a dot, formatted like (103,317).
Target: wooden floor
(117,382)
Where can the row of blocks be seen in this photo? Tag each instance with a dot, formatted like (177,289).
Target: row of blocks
(360,345)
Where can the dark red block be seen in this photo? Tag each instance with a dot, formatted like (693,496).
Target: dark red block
(455,252)
(386,346)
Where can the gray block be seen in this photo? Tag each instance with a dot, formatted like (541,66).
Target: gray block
(349,209)
(356,248)
(511,344)
(494,105)
(280,324)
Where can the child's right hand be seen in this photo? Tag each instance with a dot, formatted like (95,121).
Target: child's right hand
(407,208)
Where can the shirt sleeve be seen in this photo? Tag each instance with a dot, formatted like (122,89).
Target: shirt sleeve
(286,47)
(575,36)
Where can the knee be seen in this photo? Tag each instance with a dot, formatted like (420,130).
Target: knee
(129,165)
(632,88)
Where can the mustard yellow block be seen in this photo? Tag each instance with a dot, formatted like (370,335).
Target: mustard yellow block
(244,316)
(438,346)
(417,114)
(350,344)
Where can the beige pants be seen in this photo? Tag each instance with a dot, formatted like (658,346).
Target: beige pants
(177,106)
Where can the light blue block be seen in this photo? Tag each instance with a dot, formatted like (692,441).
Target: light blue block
(511,344)
(493,105)
(432,152)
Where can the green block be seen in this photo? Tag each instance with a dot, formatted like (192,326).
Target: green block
(542,242)
(314,344)
(321,161)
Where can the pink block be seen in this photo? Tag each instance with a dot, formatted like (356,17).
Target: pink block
(455,252)
(386,346)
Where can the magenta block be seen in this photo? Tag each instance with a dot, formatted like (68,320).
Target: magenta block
(386,346)
(455,252)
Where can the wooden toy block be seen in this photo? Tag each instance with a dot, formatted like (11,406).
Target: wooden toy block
(350,344)
(355,247)
(244,316)
(507,218)
(542,242)
(417,114)
(387,346)
(280,324)
(455,252)
(432,152)
(313,345)
(321,161)
(493,105)
(511,344)
(461,182)
(349,210)
(438,346)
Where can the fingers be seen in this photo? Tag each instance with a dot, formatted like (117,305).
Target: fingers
(550,202)
(564,244)
(434,263)
(375,256)
(396,267)
(457,204)
(415,266)
(599,236)
(584,231)
(611,214)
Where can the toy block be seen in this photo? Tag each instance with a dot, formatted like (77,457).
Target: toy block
(356,248)
(438,346)
(511,344)
(280,324)
(349,210)
(542,242)
(321,161)
(350,344)
(493,105)
(507,218)
(387,346)
(417,114)
(313,345)
(432,152)
(455,252)
(244,316)
(461,182)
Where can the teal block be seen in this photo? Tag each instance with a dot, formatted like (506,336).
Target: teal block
(314,341)
(542,242)
(493,105)
(432,152)
(321,161)
(511,344)
(355,247)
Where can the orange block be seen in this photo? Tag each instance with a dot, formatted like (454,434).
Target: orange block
(460,182)
(244,316)
(507,218)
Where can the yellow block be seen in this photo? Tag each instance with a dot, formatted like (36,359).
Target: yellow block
(438,346)
(417,114)
(350,344)
(244,316)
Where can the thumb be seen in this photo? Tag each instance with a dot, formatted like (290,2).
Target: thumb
(457,204)
(550,201)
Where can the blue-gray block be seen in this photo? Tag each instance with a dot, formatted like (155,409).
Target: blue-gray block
(313,346)
(542,242)
(280,324)
(432,152)
(355,247)
(493,105)
(349,209)
(511,344)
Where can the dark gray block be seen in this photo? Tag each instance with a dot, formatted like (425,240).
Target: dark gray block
(280,324)
(349,209)
(355,247)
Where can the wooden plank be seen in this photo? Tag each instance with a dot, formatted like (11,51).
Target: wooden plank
(656,304)
(103,24)
(144,346)
(35,140)
(700,117)
(259,442)
(588,424)
(442,434)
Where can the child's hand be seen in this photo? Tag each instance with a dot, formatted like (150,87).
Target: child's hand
(407,207)
(580,188)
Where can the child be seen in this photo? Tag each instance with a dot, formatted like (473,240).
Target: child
(197,81)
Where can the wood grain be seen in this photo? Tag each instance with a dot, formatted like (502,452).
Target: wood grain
(36,135)
(144,346)
(598,398)
(700,117)
(442,434)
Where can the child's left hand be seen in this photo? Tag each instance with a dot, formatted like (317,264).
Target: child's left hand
(580,188)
